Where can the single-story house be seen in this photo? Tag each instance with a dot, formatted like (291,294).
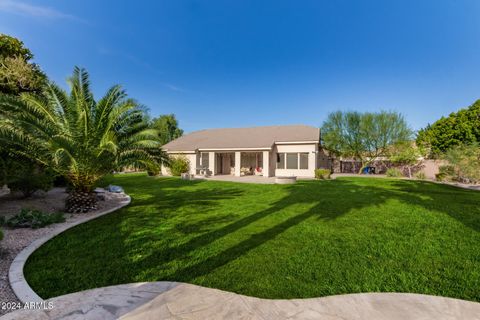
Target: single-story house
(292,150)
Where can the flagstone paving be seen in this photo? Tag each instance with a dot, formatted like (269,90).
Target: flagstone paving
(171,300)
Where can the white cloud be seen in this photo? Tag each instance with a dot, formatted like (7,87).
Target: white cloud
(173,88)
(25,9)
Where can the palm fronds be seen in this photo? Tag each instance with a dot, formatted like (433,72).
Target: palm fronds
(80,138)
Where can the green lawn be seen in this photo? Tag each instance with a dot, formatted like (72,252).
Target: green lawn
(315,238)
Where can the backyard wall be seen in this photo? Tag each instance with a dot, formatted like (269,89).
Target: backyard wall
(430,167)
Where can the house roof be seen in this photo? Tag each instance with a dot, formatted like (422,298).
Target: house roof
(239,138)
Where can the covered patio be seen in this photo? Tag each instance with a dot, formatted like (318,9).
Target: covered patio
(250,163)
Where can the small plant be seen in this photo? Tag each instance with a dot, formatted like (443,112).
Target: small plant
(322,174)
(465,163)
(420,175)
(394,173)
(445,173)
(34,219)
(179,165)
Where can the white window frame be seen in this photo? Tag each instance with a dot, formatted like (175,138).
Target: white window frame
(284,154)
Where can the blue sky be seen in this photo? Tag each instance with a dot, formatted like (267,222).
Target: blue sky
(245,63)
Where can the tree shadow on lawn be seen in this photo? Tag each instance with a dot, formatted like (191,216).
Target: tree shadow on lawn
(150,228)
(325,201)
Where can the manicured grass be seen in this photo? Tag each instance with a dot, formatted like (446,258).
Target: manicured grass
(315,238)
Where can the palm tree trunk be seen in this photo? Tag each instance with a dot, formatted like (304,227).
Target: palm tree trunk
(80,202)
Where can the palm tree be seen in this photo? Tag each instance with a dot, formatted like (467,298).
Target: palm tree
(78,137)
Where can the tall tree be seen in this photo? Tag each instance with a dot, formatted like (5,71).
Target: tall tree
(17,73)
(168,128)
(363,136)
(461,127)
(80,138)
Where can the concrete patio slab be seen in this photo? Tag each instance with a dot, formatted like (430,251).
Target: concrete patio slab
(244,179)
(172,300)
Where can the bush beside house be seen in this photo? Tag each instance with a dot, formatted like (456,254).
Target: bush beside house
(179,165)
(322,174)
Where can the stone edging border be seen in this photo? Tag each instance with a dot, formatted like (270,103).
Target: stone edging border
(16,277)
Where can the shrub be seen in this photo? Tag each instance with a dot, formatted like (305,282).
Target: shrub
(1,235)
(465,162)
(154,170)
(30,182)
(394,173)
(179,165)
(34,219)
(27,177)
(445,173)
(420,175)
(322,174)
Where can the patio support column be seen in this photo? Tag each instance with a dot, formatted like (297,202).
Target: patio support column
(211,163)
(266,164)
(238,159)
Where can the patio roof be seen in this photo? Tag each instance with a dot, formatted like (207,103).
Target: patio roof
(244,138)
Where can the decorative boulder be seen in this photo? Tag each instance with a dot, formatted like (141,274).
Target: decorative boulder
(114,189)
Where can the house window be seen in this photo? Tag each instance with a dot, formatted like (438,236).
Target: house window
(204,160)
(303,160)
(280,160)
(292,160)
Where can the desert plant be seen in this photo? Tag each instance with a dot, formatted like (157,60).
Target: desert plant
(34,219)
(394,173)
(79,138)
(420,175)
(445,173)
(179,165)
(322,174)
(465,162)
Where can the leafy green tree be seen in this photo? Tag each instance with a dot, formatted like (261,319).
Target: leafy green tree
(17,73)
(363,136)
(78,137)
(168,128)
(13,47)
(462,127)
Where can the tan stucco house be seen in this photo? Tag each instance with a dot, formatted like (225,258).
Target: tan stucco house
(267,151)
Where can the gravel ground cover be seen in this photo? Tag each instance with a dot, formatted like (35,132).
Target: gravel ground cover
(15,240)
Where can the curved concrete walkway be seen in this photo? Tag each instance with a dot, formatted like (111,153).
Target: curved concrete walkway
(171,300)
(17,280)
